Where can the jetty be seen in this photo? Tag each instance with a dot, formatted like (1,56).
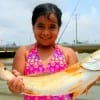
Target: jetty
(9,51)
(89,48)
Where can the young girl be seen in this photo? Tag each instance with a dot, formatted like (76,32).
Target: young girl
(45,56)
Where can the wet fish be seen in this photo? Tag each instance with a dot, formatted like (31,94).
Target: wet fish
(74,79)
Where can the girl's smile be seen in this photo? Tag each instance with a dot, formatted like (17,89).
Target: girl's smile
(46,29)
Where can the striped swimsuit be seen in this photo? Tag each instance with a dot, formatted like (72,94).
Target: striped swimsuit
(34,66)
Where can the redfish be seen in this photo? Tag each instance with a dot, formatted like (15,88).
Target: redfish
(74,79)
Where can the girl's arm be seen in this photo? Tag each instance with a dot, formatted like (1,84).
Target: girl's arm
(16,85)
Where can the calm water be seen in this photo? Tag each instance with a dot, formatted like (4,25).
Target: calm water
(6,95)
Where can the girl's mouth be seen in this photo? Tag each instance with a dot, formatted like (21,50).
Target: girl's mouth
(45,38)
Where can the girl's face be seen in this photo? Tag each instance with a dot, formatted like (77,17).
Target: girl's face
(46,30)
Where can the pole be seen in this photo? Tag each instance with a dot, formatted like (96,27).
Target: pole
(76,30)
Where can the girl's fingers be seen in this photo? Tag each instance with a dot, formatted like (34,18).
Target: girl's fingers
(16,85)
(16,73)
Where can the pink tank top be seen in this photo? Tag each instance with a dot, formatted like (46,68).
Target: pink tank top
(34,65)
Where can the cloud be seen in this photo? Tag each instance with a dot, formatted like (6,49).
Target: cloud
(87,28)
(15,21)
(93,11)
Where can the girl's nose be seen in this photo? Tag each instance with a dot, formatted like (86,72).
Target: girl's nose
(45,32)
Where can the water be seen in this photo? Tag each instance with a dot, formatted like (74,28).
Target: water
(5,94)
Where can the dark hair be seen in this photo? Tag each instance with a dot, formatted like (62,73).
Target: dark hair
(46,9)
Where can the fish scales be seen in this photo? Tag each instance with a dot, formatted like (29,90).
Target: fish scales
(74,79)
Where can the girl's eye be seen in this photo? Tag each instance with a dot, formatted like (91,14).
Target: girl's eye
(53,27)
(40,25)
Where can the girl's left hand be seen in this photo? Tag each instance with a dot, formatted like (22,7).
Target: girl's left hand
(92,84)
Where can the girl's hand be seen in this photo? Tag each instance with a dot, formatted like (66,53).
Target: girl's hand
(16,73)
(92,84)
(16,85)
(98,80)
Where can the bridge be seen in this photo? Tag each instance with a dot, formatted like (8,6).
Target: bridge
(9,51)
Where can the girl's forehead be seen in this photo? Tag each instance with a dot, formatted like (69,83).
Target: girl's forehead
(50,17)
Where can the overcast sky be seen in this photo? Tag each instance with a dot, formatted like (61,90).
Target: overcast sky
(15,21)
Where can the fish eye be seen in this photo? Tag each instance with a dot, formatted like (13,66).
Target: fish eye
(5,68)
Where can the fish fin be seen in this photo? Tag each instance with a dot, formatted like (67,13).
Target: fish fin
(76,94)
(73,68)
(28,92)
(86,91)
(89,87)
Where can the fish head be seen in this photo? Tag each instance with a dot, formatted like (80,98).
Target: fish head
(2,67)
(4,73)
(2,70)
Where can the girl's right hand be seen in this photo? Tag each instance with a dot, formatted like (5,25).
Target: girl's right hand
(16,85)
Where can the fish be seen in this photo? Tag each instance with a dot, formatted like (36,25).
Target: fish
(73,80)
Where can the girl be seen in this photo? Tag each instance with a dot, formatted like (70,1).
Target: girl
(45,56)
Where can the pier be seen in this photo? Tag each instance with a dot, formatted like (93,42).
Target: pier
(89,48)
(9,51)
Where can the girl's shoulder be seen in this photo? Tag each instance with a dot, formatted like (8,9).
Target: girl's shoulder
(66,50)
(69,53)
